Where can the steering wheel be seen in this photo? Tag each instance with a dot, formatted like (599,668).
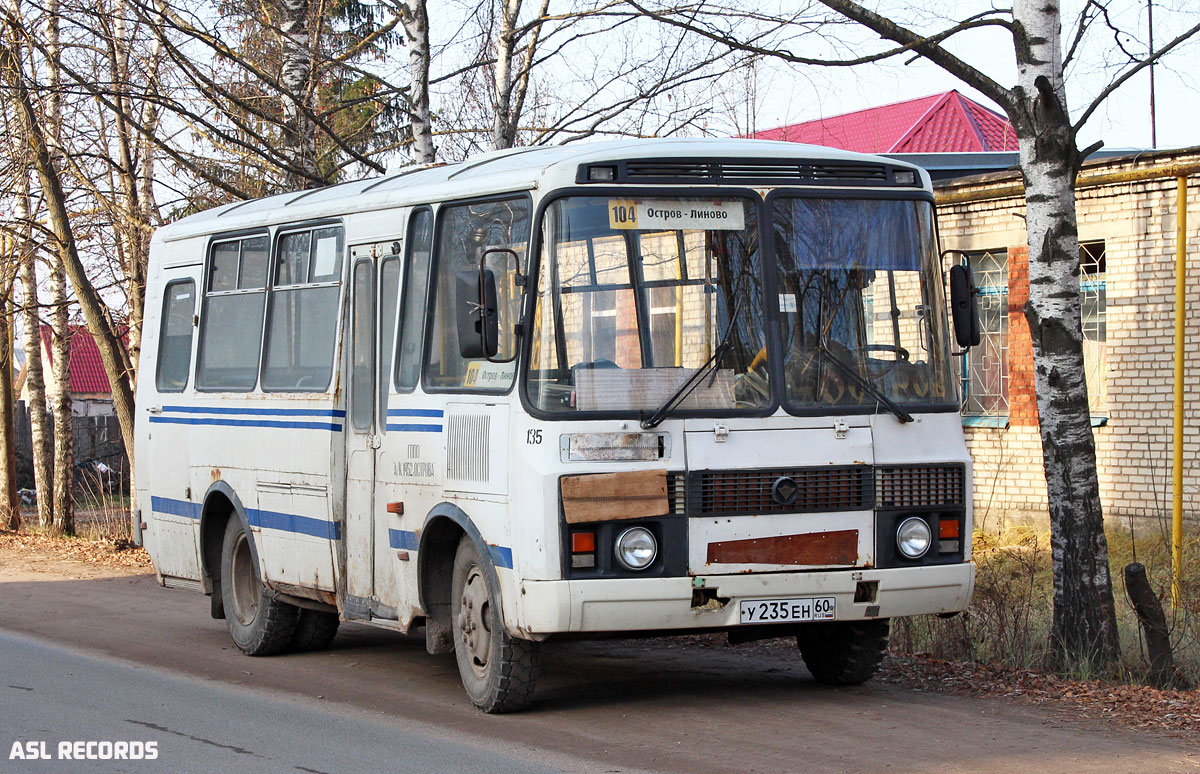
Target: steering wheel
(901,352)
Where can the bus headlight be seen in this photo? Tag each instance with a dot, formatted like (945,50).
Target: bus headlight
(913,537)
(636,548)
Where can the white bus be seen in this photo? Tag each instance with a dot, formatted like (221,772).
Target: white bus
(639,387)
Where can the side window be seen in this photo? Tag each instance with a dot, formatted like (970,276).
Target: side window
(465,233)
(175,336)
(389,289)
(302,321)
(416,285)
(231,329)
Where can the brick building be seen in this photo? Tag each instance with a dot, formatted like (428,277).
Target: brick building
(1127,260)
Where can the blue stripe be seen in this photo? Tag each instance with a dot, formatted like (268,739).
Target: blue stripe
(501,556)
(285,412)
(246,423)
(415,413)
(416,428)
(183,508)
(402,539)
(285,522)
(290,522)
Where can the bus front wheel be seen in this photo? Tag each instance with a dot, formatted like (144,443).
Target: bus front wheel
(259,625)
(498,671)
(843,652)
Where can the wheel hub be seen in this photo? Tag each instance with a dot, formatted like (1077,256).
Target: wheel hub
(244,586)
(472,621)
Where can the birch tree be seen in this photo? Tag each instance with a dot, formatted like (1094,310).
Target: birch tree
(10,507)
(1084,621)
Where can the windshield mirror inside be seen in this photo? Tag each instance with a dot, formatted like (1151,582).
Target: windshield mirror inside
(635,294)
(859,290)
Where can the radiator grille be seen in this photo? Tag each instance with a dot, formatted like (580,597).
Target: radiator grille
(467,446)
(915,486)
(735,492)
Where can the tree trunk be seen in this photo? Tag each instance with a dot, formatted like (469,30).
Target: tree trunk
(415,18)
(10,506)
(1085,625)
(64,442)
(60,342)
(503,126)
(35,383)
(294,79)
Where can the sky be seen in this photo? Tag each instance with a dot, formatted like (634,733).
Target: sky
(791,94)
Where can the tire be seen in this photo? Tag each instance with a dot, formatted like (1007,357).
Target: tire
(498,671)
(844,652)
(259,625)
(315,630)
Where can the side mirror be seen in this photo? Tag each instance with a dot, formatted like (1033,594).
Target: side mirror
(478,323)
(963,306)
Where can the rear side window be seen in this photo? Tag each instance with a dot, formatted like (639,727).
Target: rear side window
(303,319)
(175,336)
(235,295)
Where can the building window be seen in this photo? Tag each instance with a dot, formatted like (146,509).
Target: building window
(1095,349)
(985,367)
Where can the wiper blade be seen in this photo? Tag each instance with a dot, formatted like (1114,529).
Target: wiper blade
(866,384)
(692,382)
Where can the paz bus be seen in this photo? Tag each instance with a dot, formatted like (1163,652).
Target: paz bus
(623,388)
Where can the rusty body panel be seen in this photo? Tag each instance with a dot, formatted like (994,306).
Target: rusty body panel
(817,548)
(614,496)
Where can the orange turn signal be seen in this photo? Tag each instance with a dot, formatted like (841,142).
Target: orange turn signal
(948,529)
(583,542)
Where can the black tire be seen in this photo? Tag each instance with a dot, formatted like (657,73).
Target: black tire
(259,625)
(498,671)
(315,630)
(844,652)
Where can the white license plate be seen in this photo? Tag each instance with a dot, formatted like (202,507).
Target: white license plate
(782,610)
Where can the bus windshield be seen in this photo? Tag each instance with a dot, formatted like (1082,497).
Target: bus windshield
(635,294)
(860,302)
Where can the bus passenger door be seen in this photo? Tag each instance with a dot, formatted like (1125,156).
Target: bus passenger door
(374,287)
(361,436)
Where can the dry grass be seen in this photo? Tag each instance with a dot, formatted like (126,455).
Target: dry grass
(1008,622)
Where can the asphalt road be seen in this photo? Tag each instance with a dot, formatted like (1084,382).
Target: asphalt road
(118,658)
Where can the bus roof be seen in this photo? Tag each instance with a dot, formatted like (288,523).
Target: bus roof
(538,167)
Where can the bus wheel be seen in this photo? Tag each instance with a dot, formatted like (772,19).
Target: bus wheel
(315,630)
(259,625)
(844,652)
(498,670)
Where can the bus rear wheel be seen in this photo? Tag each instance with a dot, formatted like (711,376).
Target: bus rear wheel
(315,630)
(498,671)
(259,625)
(844,652)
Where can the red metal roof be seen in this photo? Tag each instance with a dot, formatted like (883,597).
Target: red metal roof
(86,368)
(940,123)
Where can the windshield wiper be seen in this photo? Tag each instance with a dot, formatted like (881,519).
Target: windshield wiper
(867,385)
(693,381)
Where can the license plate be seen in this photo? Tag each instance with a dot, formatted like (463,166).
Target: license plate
(783,610)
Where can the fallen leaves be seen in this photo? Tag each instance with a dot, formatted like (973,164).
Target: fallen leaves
(1134,705)
(112,553)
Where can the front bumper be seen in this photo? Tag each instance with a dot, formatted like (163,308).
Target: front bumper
(664,604)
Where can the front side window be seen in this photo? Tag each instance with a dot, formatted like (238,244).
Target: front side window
(465,233)
(175,338)
(231,331)
(635,295)
(302,324)
(413,314)
(860,304)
